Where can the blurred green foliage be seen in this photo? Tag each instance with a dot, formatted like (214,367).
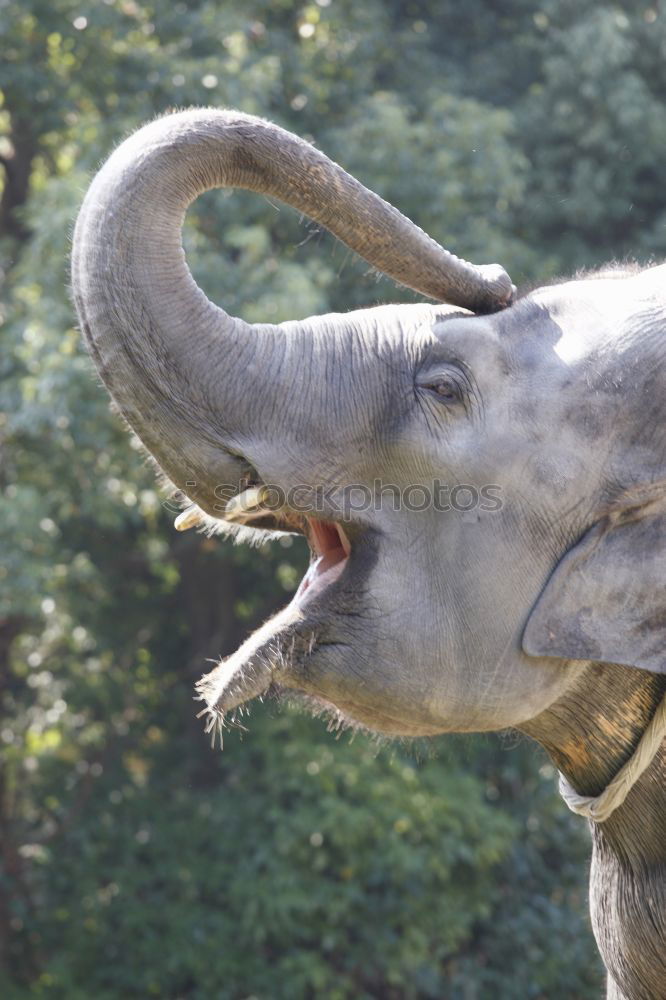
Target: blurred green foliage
(135,862)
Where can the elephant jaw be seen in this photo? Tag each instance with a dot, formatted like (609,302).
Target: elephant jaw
(268,653)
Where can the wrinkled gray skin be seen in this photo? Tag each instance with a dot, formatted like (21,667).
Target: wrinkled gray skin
(534,616)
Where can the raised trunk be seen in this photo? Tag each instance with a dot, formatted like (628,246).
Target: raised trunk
(171,359)
(590,734)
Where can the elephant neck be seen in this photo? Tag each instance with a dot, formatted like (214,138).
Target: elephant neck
(592,731)
(589,734)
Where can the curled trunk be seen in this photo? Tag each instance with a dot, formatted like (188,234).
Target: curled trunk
(170,358)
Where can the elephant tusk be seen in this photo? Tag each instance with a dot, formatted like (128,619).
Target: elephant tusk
(249,502)
(189,518)
(244,505)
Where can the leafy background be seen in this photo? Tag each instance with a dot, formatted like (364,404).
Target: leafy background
(136,862)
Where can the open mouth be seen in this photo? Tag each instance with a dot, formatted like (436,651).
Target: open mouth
(330,549)
(329,543)
(268,657)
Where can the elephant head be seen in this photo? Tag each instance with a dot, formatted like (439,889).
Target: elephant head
(510,455)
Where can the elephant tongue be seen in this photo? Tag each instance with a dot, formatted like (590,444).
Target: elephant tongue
(331,548)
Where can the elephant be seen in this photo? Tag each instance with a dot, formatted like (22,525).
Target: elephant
(543,611)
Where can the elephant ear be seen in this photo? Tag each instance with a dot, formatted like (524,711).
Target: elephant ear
(606,599)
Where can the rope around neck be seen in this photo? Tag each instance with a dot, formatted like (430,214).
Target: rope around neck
(599,807)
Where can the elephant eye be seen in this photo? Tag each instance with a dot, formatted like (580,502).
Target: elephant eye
(446,388)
